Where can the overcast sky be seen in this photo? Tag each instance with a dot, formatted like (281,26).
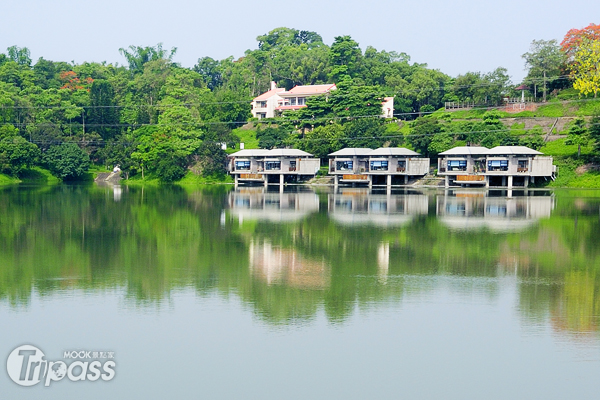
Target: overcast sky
(452,36)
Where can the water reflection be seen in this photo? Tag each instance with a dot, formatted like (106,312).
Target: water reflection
(290,254)
(275,265)
(464,209)
(258,203)
(353,206)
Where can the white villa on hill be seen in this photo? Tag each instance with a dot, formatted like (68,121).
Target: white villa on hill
(278,99)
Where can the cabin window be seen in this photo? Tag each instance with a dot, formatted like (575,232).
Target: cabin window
(242,165)
(272,165)
(523,166)
(379,165)
(498,165)
(242,202)
(496,210)
(343,166)
(457,165)
(378,206)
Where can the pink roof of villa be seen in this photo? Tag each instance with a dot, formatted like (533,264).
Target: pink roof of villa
(267,95)
(311,89)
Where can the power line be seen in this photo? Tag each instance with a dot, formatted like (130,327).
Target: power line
(400,92)
(265,121)
(349,138)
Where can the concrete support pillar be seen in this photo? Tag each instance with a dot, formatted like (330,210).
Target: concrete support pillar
(266,178)
(526,182)
(389,181)
(370,180)
(447,181)
(504,181)
(532,179)
(281,179)
(406,179)
(510,181)
(487,182)
(336,180)
(236,177)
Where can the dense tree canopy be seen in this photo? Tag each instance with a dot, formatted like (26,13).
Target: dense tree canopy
(152,116)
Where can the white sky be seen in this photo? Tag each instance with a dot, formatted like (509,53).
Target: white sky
(453,36)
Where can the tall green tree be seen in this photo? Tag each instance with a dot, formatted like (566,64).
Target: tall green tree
(102,115)
(345,57)
(67,161)
(578,134)
(20,55)
(17,154)
(544,60)
(137,56)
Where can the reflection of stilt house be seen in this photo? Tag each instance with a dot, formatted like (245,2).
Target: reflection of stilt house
(359,206)
(253,203)
(476,210)
(272,166)
(380,167)
(505,166)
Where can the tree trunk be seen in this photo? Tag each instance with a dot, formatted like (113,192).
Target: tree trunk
(544,86)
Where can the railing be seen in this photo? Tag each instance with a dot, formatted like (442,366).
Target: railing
(522,169)
(355,177)
(251,176)
(470,178)
(513,100)
(454,105)
(402,169)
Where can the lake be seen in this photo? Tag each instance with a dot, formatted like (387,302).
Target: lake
(248,293)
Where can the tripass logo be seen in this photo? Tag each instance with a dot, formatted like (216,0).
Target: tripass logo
(27,366)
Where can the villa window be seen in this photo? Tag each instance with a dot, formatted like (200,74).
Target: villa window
(457,165)
(293,101)
(379,165)
(523,166)
(344,166)
(292,165)
(301,101)
(242,165)
(498,165)
(262,104)
(272,165)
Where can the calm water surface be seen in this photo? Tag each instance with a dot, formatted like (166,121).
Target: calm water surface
(354,294)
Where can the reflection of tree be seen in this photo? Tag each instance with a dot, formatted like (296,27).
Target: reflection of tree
(156,240)
(150,242)
(577,309)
